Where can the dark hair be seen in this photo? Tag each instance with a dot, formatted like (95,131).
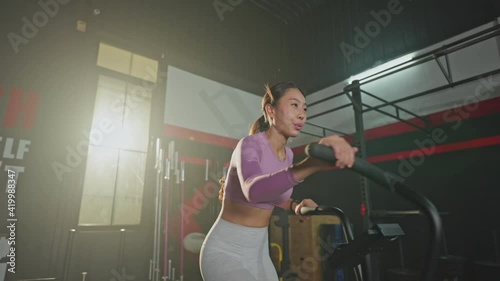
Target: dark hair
(271,96)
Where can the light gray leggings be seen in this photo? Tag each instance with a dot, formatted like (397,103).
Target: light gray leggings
(232,252)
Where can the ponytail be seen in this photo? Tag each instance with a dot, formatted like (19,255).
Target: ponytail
(259,125)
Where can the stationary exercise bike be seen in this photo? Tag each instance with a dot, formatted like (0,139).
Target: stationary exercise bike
(351,254)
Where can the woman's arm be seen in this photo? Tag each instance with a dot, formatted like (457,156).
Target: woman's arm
(260,187)
(307,167)
(343,151)
(256,185)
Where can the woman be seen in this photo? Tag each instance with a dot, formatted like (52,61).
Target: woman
(261,175)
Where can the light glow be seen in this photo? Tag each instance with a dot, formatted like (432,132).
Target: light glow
(380,69)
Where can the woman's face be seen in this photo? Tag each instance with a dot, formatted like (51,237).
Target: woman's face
(289,115)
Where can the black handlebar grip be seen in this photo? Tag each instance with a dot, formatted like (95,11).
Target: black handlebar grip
(321,152)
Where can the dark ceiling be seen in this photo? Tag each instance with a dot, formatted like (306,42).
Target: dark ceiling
(287,11)
(316,43)
(265,41)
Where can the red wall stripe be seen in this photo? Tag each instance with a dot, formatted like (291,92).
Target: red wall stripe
(200,137)
(199,161)
(482,142)
(477,143)
(457,114)
(437,119)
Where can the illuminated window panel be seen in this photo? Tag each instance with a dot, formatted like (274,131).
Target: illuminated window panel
(99,186)
(144,68)
(114,58)
(136,121)
(118,140)
(129,188)
(108,112)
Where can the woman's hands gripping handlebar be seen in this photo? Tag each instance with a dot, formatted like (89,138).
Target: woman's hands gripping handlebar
(343,156)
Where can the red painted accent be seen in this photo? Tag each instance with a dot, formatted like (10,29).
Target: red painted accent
(200,137)
(17,106)
(198,161)
(192,206)
(194,160)
(349,139)
(299,150)
(363,209)
(454,115)
(495,140)
(482,108)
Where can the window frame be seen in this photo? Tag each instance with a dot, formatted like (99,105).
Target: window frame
(147,191)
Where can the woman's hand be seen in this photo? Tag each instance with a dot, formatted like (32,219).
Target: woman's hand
(304,203)
(344,152)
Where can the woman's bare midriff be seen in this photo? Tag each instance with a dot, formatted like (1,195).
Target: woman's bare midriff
(246,215)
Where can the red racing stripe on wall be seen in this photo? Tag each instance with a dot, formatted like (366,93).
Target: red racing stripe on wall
(483,108)
(199,161)
(437,119)
(200,137)
(477,143)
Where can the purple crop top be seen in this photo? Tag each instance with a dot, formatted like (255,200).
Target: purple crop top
(256,176)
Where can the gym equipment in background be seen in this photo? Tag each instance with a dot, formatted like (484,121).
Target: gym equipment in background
(391,182)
